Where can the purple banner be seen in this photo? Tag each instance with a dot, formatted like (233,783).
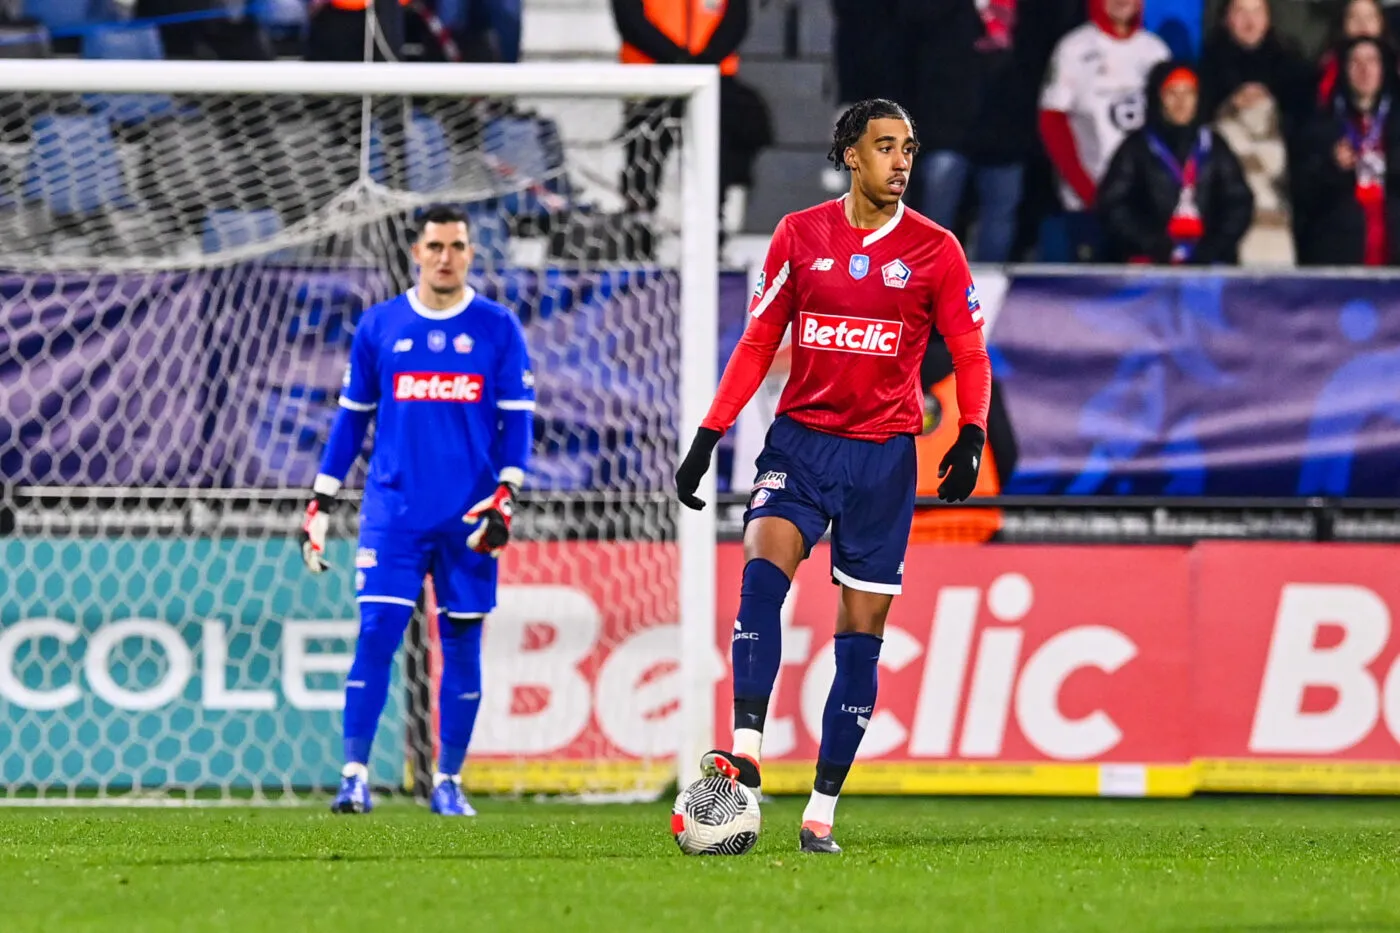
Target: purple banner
(229,377)
(1202,385)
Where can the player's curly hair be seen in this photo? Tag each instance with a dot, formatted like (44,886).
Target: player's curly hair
(851,125)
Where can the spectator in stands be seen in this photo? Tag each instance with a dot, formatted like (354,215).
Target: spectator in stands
(225,33)
(702,32)
(1245,60)
(1259,93)
(1347,183)
(336,30)
(1093,97)
(967,83)
(1174,192)
(1356,19)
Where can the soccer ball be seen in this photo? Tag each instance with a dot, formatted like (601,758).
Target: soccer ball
(715,816)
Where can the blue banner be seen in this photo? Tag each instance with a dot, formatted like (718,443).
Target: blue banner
(1205,385)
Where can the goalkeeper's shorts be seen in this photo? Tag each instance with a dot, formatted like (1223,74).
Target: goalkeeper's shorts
(390,566)
(863,489)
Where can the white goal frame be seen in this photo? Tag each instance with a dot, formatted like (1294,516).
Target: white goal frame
(698,265)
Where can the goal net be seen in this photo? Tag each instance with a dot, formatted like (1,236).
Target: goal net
(185,251)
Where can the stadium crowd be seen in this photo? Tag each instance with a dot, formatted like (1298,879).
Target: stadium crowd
(1050,129)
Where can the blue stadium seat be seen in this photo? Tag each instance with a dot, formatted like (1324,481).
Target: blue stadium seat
(74,167)
(225,230)
(139,44)
(528,158)
(427,155)
(490,236)
(61,14)
(279,14)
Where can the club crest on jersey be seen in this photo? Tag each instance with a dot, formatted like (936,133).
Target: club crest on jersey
(860,265)
(896,274)
(462,343)
(437,340)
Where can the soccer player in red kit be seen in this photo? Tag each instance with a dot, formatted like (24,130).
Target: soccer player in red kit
(863,281)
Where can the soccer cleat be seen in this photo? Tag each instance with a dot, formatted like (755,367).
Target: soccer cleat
(353,797)
(449,800)
(817,838)
(739,768)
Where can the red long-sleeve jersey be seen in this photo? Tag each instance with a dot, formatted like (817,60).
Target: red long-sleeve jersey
(861,304)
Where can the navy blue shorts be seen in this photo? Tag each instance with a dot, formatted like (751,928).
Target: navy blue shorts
(863,489)
(390,566)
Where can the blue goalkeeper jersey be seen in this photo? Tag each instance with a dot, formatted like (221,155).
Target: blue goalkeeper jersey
(452,397)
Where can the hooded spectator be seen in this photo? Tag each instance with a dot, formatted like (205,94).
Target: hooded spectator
(1347,182)
(1245,60)
(1174,192)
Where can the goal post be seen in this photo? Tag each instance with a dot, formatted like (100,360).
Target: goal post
(185,248)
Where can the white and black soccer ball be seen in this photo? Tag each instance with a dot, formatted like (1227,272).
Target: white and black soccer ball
(715,816)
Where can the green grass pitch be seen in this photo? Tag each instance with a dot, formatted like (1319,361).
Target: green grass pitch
(1228,864)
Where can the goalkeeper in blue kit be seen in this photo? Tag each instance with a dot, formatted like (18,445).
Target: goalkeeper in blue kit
(445,374)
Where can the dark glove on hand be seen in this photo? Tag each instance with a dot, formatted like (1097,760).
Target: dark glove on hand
(694,467)
(960,464)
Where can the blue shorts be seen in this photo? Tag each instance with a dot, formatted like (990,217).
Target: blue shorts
(390,566)
(863,489)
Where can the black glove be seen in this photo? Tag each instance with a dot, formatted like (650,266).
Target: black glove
(694,467)
(962,459)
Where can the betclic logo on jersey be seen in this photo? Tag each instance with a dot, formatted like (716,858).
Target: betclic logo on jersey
(851,334)
(438,387)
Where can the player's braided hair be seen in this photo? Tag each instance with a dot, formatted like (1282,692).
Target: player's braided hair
(851,125)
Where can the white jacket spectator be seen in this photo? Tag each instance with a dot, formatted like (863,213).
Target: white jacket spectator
(1093,95)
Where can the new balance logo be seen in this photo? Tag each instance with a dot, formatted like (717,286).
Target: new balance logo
(437,387)
(404,345)
(823,265)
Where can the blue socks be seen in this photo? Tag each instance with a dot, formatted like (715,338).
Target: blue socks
(381,629)
(849,707)
(756,650)
(460,694)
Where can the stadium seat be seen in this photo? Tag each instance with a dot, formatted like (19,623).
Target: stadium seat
(60,14)
(279,14)
(490,236)
(427,155)
(226,230)
(74,167)
(140,44)
(527,158)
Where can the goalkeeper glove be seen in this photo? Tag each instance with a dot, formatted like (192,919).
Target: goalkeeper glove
(493,515)
(313,532)
(960,464)
(694,467)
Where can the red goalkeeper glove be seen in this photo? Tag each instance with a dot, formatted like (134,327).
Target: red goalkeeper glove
(313,533)
(492,516)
